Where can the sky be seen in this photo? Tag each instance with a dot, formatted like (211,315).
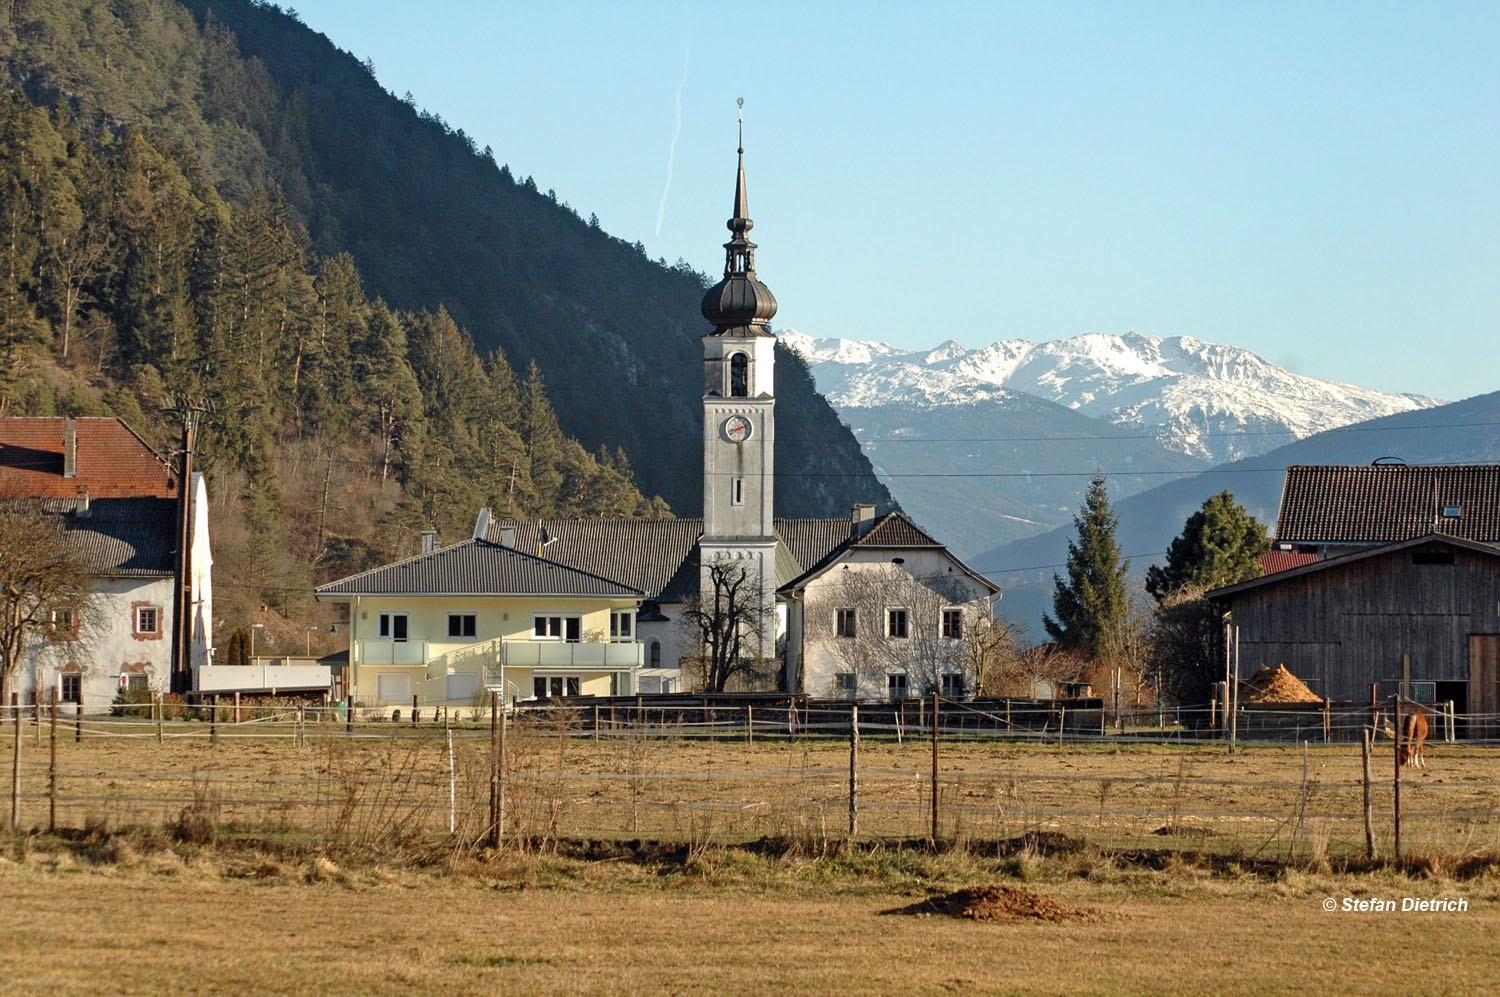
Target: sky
(1316,182)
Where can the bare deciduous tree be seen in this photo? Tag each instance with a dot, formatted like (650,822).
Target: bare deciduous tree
(44,583)
(723,628)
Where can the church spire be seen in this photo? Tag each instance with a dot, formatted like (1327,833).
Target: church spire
(739,304)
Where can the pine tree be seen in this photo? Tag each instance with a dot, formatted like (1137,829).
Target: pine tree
(1221,544)
(1092,605)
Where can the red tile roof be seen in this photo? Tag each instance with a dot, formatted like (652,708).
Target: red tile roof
(113,462)
(1273,561)
(1381,503)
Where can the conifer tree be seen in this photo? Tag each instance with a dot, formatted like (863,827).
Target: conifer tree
(1220,544)
(1092,605)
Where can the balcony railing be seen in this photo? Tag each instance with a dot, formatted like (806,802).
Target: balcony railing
(439,658)
(263,678)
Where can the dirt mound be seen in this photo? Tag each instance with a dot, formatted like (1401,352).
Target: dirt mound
(1276,685)
(998,903)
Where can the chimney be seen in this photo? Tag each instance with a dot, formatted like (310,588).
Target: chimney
(82,509)
(482,524)
(860,518)
(507,536)
(429,541)
(70,447)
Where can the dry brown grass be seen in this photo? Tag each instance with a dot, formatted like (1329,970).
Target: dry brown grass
(390,790)
(143,918)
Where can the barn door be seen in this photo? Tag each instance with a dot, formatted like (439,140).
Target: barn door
(1484,683)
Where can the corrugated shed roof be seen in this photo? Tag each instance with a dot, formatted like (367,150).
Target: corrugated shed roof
(112,462)
(1273,561)
(1355,557)
(126,537)
(1383,503)
(477,567)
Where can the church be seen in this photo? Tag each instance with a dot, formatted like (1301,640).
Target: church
(861,607)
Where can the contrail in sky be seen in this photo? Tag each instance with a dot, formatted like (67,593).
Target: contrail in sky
(661,211)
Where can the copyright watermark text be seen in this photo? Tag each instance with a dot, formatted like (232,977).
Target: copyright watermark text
(1387,905)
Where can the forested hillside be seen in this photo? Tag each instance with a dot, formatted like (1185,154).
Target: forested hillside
(343,426)
(210,198)
(430,219)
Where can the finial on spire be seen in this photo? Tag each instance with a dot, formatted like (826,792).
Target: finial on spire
(741,103)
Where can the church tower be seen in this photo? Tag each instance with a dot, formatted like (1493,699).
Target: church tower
(739,428)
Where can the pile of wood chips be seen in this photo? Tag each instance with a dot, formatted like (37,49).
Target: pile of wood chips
(1276,685)
(998,903)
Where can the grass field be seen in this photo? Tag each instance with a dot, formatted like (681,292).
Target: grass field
(277,864)
(159,920)
(1255,802)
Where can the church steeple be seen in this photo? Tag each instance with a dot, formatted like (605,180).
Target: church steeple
(740,304)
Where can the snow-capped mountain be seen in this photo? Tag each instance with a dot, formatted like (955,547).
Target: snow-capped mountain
(1208,400)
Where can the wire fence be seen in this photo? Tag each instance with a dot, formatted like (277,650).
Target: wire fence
(700,772)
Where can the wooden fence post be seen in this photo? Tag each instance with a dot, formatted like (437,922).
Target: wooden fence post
(15,766)
(1366,736)
(78,722)
(500,814)
(157,706)
(237,715)
(934,768)
(749,724)
(213,719)
(853,769)
(1396,712)
(52,770)
(494,828)
(349,714)
(413,710)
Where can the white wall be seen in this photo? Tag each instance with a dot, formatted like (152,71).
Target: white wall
(107,644)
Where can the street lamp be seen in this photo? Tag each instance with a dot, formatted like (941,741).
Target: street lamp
(309,640)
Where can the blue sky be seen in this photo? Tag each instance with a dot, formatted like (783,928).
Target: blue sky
(1318,182)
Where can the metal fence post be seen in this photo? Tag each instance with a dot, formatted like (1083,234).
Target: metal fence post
(853,769)
(934,768)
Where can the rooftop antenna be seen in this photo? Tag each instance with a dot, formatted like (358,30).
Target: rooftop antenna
(741,102)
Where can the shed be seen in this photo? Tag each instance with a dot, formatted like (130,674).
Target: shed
(1345,623)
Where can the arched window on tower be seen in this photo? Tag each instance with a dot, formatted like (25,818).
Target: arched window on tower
(739,376)
(655,658)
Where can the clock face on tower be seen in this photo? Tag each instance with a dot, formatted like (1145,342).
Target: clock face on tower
(737,429)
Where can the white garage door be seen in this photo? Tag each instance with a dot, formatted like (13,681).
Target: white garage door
(393,687)
(462,686)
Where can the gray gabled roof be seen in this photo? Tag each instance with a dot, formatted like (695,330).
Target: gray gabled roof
(1380,503)
(477,567)
(893,531)
(121,537)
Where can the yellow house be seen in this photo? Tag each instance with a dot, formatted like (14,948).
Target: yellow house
(479,614)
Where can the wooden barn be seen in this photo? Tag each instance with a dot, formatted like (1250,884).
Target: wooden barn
(1345,623)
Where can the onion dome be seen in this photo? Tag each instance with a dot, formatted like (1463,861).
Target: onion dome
(739,304)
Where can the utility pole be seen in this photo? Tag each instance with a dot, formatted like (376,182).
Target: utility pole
(190,412)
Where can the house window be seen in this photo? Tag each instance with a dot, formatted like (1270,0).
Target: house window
(1453,511)
(72,687)
(1432,557)
(461,624)
(737,492)
(568,628)
(135,682)
(843,623)
(953,685)
(843,685)
(739,376)
(953,624)
(895,623)
(147,621)
(63,625)
(556,686)
(895,685)
(621,624)
(655,655)
(395,626)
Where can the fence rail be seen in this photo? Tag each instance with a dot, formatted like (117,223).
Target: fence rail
(700,769)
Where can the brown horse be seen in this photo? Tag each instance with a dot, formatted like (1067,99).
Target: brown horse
(1413,733)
